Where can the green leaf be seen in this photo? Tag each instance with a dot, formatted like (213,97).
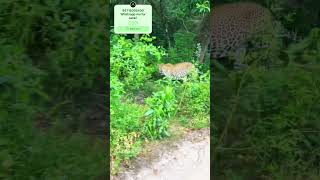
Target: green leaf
(149,112)
(4,79)
(3,141)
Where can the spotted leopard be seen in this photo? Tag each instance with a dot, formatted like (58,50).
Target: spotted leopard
(176,71)
(230,25)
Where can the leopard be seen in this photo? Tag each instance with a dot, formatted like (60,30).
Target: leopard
(176,71)
(229,26)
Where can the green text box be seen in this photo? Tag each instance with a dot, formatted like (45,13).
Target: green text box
(132,20)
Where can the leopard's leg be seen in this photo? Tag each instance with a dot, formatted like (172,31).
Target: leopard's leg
(239,57)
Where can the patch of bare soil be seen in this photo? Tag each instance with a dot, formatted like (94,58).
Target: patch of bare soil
(187,158)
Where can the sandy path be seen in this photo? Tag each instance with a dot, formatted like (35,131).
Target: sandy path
(187,159)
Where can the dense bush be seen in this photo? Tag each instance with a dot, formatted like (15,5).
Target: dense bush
(194,99)
(144,104)
(134,75)
(265,115)
(134,62)
(267,119)
(125,126)
(162,105)
(52,61)
(183,49)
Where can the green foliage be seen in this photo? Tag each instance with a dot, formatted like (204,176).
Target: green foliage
(134,62)
(125,128)
(26,154)
(194,99)
(50,34)
(307,51)
(162,104)
(19,80)
(267,119)
(203,7)
(265,116)
(184,9)
(184,48)
(117,89)
(197,92)
(172,16)
(130,70)
(51,53)
(142,105)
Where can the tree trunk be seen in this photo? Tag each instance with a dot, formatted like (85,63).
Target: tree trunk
(204,36)
(204,47)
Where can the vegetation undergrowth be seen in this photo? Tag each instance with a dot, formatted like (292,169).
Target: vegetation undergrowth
(265,122)
(268,116)
(135,75)
(50,68)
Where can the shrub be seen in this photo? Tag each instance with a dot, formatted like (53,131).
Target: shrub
(267,120)
(184,48)
(134,62)
(161,107)
(45,60)
(125,126)
(196,92)
(193,96)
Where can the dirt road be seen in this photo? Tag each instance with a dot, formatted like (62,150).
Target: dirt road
(187,159)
